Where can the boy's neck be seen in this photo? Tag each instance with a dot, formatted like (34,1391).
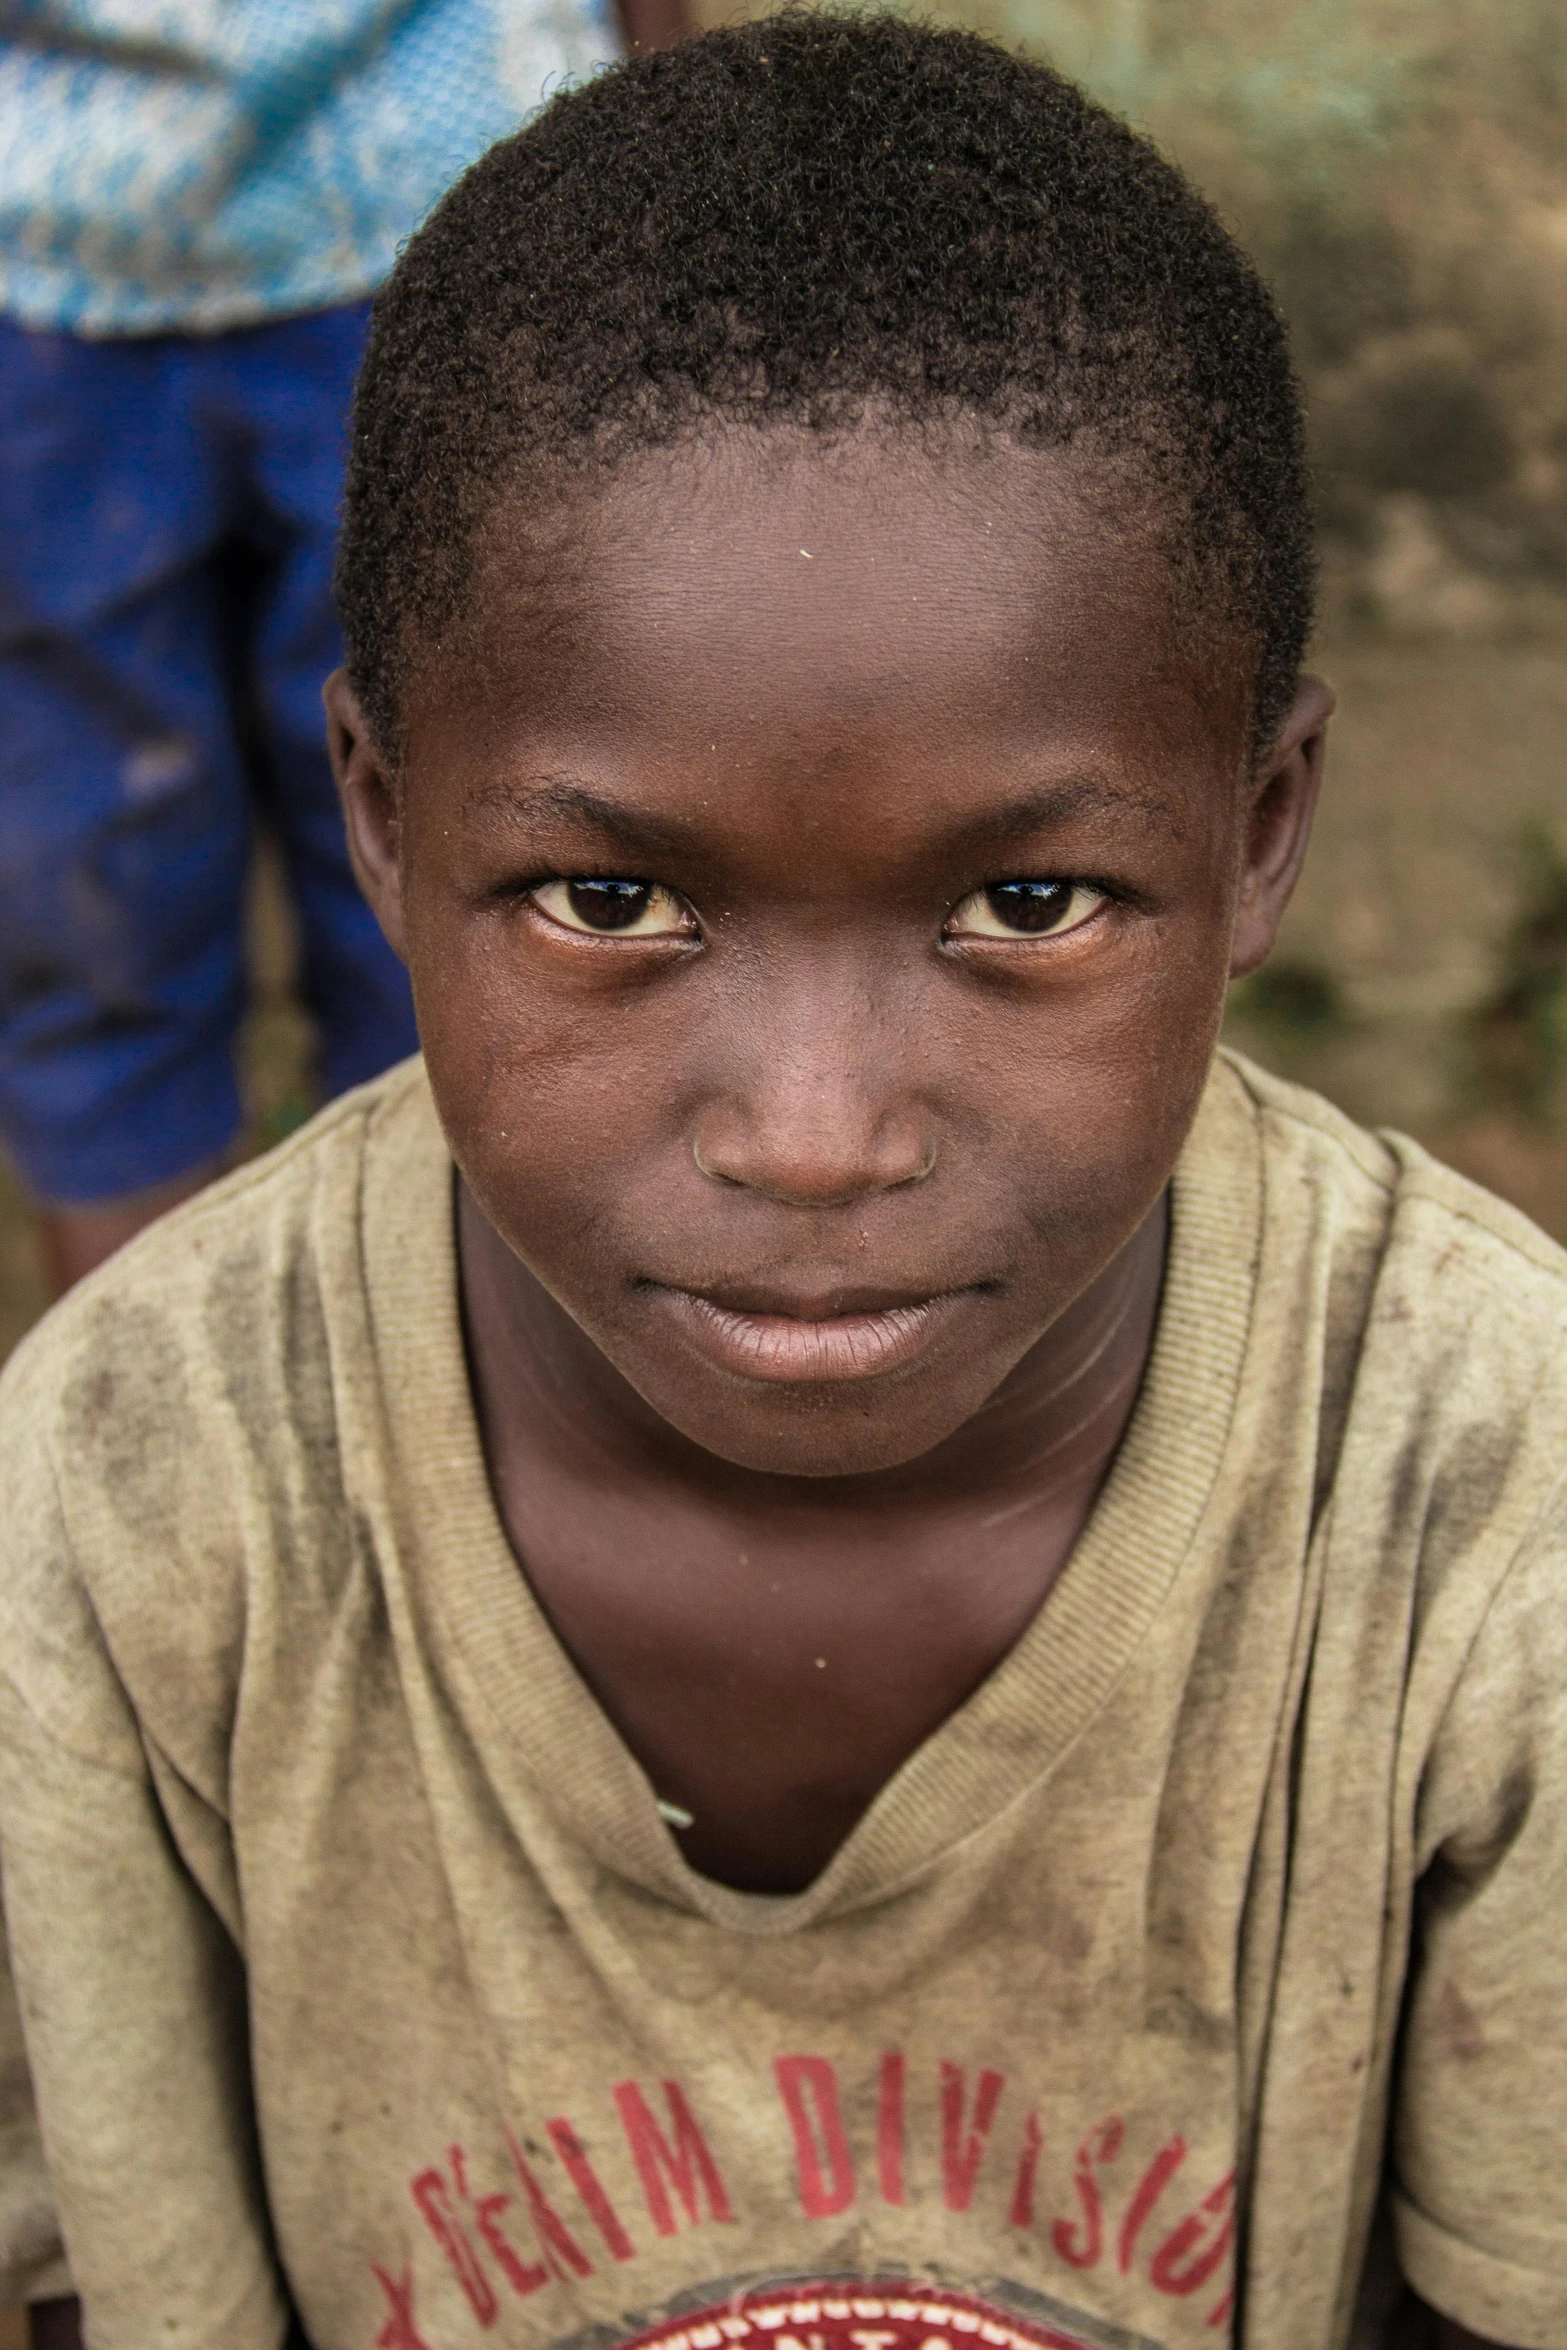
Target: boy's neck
(699,1599)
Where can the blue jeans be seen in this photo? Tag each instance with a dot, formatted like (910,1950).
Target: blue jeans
(168,513)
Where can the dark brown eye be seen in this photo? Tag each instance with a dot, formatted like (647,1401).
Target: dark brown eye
(1024,909)
(608,905)
(613,908)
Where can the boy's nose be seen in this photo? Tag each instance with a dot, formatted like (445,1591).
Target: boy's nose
(813,1138)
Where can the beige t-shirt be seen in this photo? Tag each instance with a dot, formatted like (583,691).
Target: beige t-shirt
(357,1963)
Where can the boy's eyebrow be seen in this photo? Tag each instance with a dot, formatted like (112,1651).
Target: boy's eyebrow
(564,801)
(1058,803)
(573,803)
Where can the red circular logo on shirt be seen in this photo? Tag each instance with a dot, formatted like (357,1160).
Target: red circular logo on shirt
(839,2315)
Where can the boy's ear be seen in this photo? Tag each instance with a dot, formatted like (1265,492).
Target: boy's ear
(1282,803)
(371,811)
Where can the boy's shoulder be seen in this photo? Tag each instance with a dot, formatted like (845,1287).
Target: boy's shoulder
(217,1283)
(1428,1322)
(209,1406)
(193,1416)
(1380,1184)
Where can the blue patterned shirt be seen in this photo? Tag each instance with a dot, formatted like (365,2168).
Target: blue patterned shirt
(190,165)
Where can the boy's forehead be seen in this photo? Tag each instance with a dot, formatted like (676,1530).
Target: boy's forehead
(762,600)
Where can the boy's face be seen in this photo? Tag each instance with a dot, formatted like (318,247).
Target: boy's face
(819,899)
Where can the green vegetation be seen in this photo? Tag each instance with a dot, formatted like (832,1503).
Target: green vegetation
(1291,1003)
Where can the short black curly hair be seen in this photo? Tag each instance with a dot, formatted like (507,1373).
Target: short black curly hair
(822,220)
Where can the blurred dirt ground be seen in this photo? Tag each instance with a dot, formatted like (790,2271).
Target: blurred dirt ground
(1421,980)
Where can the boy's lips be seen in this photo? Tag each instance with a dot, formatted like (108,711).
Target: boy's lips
(756,1336)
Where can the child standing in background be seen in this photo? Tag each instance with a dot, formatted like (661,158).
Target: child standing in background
(196,199)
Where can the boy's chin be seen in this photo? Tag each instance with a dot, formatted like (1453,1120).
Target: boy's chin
(802,1431)
(849,1395)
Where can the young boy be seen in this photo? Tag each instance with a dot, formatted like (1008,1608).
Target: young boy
(819,1643)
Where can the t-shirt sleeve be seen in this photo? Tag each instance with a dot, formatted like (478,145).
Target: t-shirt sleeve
(1480,2184)
(130,1986)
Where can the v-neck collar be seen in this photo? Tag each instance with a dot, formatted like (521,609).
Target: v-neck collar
(1014,1727)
